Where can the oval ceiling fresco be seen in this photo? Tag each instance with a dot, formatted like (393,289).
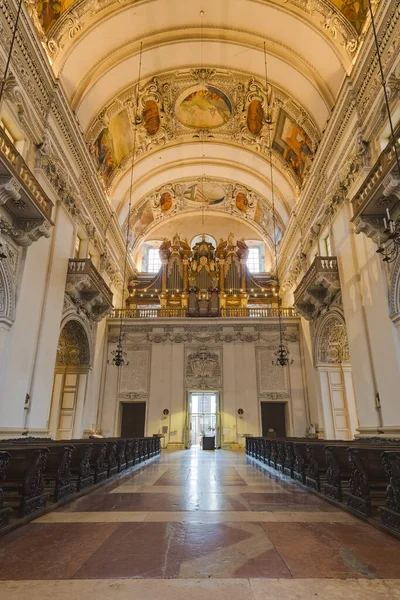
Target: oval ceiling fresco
(203,108)
(151,117)
(255,116)
(207,192)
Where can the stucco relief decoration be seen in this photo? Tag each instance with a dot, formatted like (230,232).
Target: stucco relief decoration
(60,21)
(73,346)
(203,369)
(135,377)
(331,340)
(206,194)
(206,104)
(7,291)
(270,379)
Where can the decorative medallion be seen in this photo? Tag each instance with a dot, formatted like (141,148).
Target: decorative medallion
(255,116)
(151,117)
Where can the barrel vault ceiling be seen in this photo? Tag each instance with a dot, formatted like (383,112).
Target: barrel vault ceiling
(205,117)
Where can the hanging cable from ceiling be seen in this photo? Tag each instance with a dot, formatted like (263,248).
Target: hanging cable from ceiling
(202,133)
(282,353)
(3,80)
(119,354)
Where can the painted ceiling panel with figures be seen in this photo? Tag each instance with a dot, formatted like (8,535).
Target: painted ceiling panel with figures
(200,123)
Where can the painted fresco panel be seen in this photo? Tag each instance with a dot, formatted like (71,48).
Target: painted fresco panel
(292,142)
(355,11)
(50,10)
(113,144)
(263,218)
(207,192)
(204,108)
(139,222)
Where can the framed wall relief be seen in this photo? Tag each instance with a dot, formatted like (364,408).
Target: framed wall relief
(272,381)
(135,378)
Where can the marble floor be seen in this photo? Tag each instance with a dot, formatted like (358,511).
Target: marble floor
(193,524)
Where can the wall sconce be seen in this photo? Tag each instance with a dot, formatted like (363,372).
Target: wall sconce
(165,412)
(240,412)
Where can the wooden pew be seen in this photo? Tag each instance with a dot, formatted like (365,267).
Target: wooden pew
(57,473)
(316,464)
(4,510)
(24,486)
(338,471)
(390,514)
(99,467)
(83,466)
(368,479)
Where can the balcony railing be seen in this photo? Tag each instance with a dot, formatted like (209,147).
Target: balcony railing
(165,313)
(321,265)
(318,288)
(86,287)
(381,183)
(84,266)
(14,165)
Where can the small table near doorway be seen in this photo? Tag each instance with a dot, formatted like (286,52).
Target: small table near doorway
(209,442)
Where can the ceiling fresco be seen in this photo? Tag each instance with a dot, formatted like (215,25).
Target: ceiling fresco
(204,108)
(188,197)
(223,106)
(50,10)
(355,11)
(113,144)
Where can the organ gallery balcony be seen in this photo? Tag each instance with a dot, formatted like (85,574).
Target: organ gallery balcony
(87,289)
(318,288)
(202,281)
(235,313)
(25,208)
(379,191)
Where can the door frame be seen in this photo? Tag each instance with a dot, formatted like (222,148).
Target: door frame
(218,436)
(286,402)
(120,409)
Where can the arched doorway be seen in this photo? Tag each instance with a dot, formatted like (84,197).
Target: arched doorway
(70,382)
(338,415)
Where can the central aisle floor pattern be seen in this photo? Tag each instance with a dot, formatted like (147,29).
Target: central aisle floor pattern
(194,523)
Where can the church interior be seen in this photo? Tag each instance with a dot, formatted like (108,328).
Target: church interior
(200,299)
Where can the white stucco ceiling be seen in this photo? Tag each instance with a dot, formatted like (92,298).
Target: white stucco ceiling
(95,52)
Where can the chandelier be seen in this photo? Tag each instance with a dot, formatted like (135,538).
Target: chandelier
(391,227)
(119,354)
(282,353)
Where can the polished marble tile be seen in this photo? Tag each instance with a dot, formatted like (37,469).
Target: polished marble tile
(188,522)
(195,517)
(142,550)
(354,550)
(45,551)
(129,589)
(320,589)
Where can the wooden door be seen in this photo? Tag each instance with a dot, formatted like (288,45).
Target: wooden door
(133,419)
(273,417)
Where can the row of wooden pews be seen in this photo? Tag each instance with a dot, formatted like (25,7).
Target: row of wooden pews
(34,472)
(364,474)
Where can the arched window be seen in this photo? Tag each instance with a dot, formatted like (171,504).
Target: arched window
(256,257)
(208,238)
(151,261)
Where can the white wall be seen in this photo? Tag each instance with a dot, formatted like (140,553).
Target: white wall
(159,374)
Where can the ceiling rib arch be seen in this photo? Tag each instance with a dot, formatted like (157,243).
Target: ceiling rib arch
(241,167)
(76,17)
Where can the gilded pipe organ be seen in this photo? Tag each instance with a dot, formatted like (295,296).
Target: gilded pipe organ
(203,281)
